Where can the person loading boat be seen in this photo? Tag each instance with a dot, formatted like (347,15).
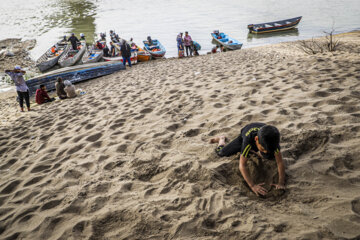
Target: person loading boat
(82,37)
(74,40)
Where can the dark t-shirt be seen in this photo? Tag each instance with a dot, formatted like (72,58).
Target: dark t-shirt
(248,134)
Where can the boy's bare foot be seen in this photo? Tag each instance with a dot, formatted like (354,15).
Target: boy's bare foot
(219,139)
(29,109)
(21,109)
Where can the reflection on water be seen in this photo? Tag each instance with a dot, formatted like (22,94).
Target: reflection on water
(287,33)
(77,16)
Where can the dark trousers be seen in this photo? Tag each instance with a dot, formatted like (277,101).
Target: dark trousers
(49,100)
(188,48)
(128,60)
(230,149)
(22,96)
(74,46)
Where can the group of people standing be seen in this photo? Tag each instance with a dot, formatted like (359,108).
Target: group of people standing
(186,42)
(64,89)
(125,48)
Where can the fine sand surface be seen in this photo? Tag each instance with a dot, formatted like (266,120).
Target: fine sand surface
(131,158)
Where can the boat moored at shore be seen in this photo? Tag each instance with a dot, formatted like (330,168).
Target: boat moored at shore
(276,26)
(222,39)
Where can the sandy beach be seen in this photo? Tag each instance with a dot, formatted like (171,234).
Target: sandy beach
(131,158)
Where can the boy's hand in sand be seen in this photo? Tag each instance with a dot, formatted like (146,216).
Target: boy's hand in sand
(278,186)
(258,189)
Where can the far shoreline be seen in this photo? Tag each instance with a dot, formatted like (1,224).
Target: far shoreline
(10,89)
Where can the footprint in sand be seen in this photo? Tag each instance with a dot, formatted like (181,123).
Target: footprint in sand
(8,164)
(34,180)
(40,168)
(94,137)
(51,204)
(355,206)
(218,105)
(146,110)
(10,187)
(121,148)
(192,132)
(75,149)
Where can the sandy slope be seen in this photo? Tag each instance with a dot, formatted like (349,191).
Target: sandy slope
(130,160)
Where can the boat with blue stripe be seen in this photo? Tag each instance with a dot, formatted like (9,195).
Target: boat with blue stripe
(222,39)
(268,27)
(74,74)
(156,49)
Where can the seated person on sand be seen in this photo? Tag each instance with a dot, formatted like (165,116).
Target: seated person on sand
(259,138)
(60,88)
(70,89)
(41,95)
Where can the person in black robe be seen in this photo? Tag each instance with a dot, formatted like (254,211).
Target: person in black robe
(74,40)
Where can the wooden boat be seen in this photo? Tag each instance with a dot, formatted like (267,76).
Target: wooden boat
(143,55)
(157,50)
(274,26)
(50,58)
(74,74)
(224,40)
(70,56)
(92,55)
(118,57)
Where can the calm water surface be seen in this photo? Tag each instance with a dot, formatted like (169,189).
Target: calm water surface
(48,20)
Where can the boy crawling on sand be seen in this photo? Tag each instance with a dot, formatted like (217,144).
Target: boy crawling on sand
(259,138)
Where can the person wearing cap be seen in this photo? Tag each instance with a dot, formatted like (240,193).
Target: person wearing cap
(187,42)
(17,76)
(150,42)
(74,40)
(82,37)
(112,34)
(256,138)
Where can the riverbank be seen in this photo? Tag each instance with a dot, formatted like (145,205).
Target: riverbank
(131,158)
(14,51)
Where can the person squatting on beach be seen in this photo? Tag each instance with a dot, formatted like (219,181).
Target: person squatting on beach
(194,49)
(60,88)
(41,95)
(188,43)
(22,89)
(259,138)
(125,52)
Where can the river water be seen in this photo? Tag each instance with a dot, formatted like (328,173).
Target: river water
(48,20)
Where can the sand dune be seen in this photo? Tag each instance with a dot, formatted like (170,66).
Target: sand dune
(131,159)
